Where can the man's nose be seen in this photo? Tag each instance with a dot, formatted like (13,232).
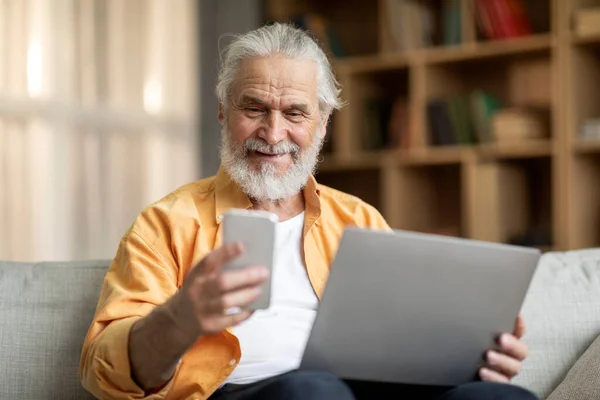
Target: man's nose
(274,130)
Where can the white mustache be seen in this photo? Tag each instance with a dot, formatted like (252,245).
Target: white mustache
(254,144)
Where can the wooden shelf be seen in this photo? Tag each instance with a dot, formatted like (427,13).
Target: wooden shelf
(432,155)
(371,63)
(362,161)
(393,158)
(587,146)
(442,155)
(531,149)
(587,39)
(481,50)
(435,55)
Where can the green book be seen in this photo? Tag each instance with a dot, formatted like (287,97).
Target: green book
(460,117)
(483,105)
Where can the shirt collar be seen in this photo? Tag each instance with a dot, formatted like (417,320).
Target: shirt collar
(229,195)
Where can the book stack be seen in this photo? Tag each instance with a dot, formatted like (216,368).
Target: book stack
(409,24)
(321,30)
(502,19)
(586,21)
(386,124)
(462,119)
(590,129)
(512,125)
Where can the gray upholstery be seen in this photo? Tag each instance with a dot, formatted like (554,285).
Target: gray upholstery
(45,311)
(562,312)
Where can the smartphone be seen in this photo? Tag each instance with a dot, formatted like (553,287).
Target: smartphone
(256,230)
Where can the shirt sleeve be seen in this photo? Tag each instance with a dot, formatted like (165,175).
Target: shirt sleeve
(368,216)
(142,276)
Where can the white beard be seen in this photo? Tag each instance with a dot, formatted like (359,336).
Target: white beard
(268,183)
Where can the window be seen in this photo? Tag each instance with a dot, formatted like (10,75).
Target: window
(98,119)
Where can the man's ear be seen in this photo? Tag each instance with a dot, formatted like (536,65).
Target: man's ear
(324,122)
(221,114)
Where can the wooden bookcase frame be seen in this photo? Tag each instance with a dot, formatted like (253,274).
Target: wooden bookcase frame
(486,191)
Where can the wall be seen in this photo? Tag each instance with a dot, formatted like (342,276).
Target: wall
(218,17)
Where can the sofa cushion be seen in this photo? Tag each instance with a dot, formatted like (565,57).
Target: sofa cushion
(562,314)
(45,311)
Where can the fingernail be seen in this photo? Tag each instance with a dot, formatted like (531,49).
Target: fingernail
(484,373)
(492,357)
(259,272)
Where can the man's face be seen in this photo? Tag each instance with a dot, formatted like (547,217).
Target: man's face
(273,128)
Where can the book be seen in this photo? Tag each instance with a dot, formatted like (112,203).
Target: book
(461,119)
(586,21)
(515,124)
(483,105)
(442,131)
(502,19)
(399,125)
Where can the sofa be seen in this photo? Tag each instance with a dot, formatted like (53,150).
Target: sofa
(46,308)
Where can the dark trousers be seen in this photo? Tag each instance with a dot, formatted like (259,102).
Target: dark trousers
(309,385)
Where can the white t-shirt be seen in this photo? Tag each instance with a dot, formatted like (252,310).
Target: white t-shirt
(273,340)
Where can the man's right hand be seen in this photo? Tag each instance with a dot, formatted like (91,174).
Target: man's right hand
(208,292)
(158,341)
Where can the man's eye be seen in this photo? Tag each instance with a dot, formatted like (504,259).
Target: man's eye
(294,114)
(253,110)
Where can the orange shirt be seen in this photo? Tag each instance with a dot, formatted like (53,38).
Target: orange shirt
(154,256)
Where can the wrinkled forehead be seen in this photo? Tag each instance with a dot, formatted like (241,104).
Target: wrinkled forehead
(277,79)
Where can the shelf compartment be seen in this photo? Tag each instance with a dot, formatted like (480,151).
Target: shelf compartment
(523,82)
(586,201)
(585,79)
(582,35)
(361,182)
(362,126)
(514,202)
(425,198)
(352,24)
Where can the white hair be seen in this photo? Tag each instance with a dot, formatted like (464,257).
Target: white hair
(279,39)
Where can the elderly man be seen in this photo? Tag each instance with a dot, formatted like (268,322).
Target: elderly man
(161,330)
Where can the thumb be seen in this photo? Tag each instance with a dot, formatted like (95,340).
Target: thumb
(519,326)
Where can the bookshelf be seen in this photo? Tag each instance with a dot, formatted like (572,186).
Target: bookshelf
(540,189)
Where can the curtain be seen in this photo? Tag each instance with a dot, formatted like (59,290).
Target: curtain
(98,119)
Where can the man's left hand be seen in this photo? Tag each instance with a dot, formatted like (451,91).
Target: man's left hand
(503,365)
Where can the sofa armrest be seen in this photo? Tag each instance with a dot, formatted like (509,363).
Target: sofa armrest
(582,382)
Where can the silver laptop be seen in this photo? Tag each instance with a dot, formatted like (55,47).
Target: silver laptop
(416,308)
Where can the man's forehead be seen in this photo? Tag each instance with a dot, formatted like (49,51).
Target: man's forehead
(279,73)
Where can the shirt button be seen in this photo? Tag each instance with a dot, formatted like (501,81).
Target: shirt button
(232,362)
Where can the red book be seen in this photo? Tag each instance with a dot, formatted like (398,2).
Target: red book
(484,19)
(517,9)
